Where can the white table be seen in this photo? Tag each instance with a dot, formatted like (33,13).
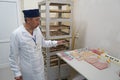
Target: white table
(92,73)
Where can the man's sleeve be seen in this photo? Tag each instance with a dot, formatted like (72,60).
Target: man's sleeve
(13,56)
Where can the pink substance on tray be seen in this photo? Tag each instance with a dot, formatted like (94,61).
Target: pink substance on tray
(91,60)
(66,56)
(101,65)
(96,63)
(99,52)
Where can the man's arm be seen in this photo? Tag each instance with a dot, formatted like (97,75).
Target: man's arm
(13,56)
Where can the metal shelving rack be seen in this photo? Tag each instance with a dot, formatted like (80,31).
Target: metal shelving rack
(56,24)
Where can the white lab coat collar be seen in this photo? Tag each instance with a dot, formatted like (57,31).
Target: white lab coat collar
(26,33)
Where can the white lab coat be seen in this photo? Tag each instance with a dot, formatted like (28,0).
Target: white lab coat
(26,57)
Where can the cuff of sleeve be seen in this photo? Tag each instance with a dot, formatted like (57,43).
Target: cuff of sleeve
(17,74)
(56,43)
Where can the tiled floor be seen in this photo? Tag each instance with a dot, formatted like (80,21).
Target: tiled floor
(6,74)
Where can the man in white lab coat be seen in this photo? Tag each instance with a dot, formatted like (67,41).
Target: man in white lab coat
(26,59)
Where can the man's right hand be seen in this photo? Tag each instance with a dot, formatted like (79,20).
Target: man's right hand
(19,78)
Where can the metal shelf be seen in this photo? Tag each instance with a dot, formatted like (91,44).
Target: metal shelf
(56,24)
(57,19)
(56,2)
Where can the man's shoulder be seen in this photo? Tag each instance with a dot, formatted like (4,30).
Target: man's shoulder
(18,30)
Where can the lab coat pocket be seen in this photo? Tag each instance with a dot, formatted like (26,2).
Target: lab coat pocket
(37,66)
(36,63)
(38,70)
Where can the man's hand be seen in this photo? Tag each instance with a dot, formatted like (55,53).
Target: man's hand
(60,42)
(19,78)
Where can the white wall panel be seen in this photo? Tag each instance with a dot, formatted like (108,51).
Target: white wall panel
(9,21)
(4,53)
